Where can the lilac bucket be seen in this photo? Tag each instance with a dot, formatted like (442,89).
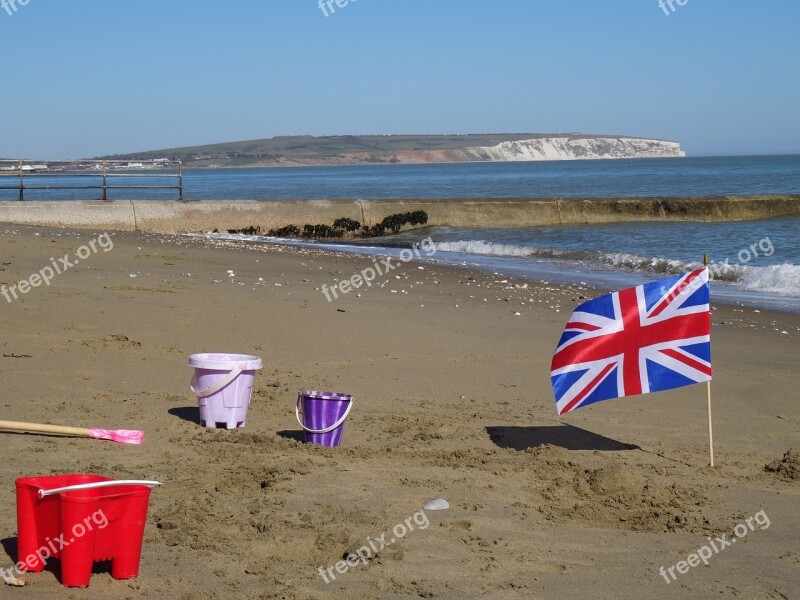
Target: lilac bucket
(223,384)
(323,416)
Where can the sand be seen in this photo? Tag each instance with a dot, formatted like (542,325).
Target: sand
(449,369)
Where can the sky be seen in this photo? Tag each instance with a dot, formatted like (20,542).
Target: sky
(83,78)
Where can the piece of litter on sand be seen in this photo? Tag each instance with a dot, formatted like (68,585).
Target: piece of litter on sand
(9,579)
(438,504)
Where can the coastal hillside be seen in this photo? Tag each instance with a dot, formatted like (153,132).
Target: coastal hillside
(410,149)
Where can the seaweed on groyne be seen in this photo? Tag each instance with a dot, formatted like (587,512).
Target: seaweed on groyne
(342,227)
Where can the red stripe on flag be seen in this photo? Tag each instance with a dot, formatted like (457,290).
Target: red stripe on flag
(679,289)
(579,325)
(690,362)
(588,389)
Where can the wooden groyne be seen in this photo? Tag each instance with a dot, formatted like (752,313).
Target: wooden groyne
(206,215)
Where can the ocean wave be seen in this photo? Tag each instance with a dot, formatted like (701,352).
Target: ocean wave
(492,249)
(776,279)
(644,264)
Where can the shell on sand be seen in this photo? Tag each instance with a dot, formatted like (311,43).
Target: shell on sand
(437,504)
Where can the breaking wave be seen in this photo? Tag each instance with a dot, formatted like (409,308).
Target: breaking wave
(491,249)
(776,279)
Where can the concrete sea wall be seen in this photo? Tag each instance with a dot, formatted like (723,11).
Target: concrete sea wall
(205,215)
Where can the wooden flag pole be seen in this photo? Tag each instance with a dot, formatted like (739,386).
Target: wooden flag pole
(708,383)
(710,431)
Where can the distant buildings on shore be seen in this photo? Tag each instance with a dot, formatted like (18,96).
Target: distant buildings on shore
(26,168)
(13,166)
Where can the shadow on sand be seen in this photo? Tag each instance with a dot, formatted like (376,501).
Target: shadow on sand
(568,437)
(298,436)
(187,413)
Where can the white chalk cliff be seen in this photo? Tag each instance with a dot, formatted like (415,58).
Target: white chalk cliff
(576,148)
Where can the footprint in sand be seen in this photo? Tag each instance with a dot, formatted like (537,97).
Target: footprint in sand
(113,341)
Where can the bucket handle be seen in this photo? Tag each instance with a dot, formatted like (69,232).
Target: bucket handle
(98,484)
(327,429)
(237,370)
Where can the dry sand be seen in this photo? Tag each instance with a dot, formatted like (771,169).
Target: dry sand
(452,400)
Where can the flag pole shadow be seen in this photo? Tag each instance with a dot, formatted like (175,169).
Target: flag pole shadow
(564,436)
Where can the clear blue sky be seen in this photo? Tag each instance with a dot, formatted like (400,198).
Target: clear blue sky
(91,77)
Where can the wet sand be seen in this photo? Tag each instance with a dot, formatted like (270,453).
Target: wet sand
(452,400)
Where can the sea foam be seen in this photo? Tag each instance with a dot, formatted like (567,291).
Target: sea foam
(776,279)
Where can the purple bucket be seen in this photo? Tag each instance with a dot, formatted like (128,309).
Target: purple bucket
(323,416)
(223,384)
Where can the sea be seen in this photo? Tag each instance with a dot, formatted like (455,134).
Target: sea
(753,263)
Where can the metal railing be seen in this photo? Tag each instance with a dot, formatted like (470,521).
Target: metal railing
(21,170)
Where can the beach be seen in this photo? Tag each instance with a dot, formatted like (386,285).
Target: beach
(449,369)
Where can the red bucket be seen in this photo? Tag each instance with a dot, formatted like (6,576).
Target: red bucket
(81,526)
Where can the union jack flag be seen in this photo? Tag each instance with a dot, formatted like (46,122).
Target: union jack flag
(650,338)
